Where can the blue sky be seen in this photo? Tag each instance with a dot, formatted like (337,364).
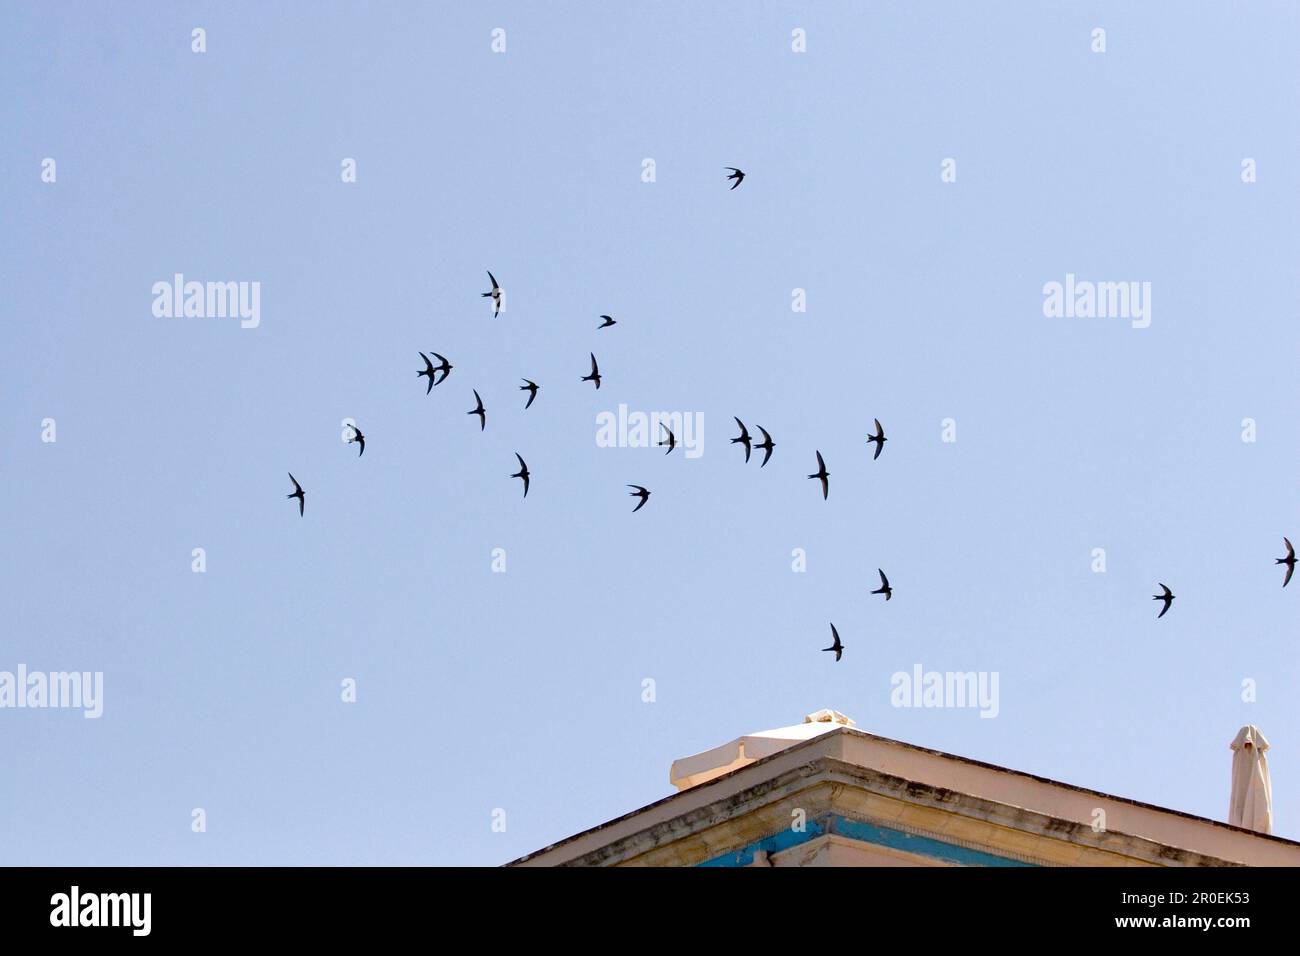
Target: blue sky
(523,690)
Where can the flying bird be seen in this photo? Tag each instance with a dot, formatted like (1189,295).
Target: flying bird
(430,371)
(445,368)
(766,445)
(609,320)
(494,295)
(298,493)
(595,373)
(1167,597)
(743,439)
(823,474)
(641,493)
(671,442)
(837,647)
(884,588)
(737,175)
(522,473)
(531,389)
(879,438)
(1289,561)
(359,438)
(480,411)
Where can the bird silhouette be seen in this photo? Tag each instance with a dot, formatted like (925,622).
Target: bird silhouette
(609,320)
(737,175)
(480,411)
(1167,597)
(430,371)
(531,389)
(641,493)
(766,445)
(672,440)
(298,493)
(1289,561)
(359,438)
(837,647)
(884,588)
(444,367)
(879,439)
(522,473)
(595,373)
(743,439)
(823,474)
(494,295)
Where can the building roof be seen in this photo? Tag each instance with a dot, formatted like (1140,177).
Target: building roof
(917,805)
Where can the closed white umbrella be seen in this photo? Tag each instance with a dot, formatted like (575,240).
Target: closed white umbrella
(1251,804)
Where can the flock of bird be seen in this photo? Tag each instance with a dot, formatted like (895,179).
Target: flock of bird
(437,374)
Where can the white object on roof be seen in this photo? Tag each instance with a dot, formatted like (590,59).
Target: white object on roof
(703,767)
(1251,803)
